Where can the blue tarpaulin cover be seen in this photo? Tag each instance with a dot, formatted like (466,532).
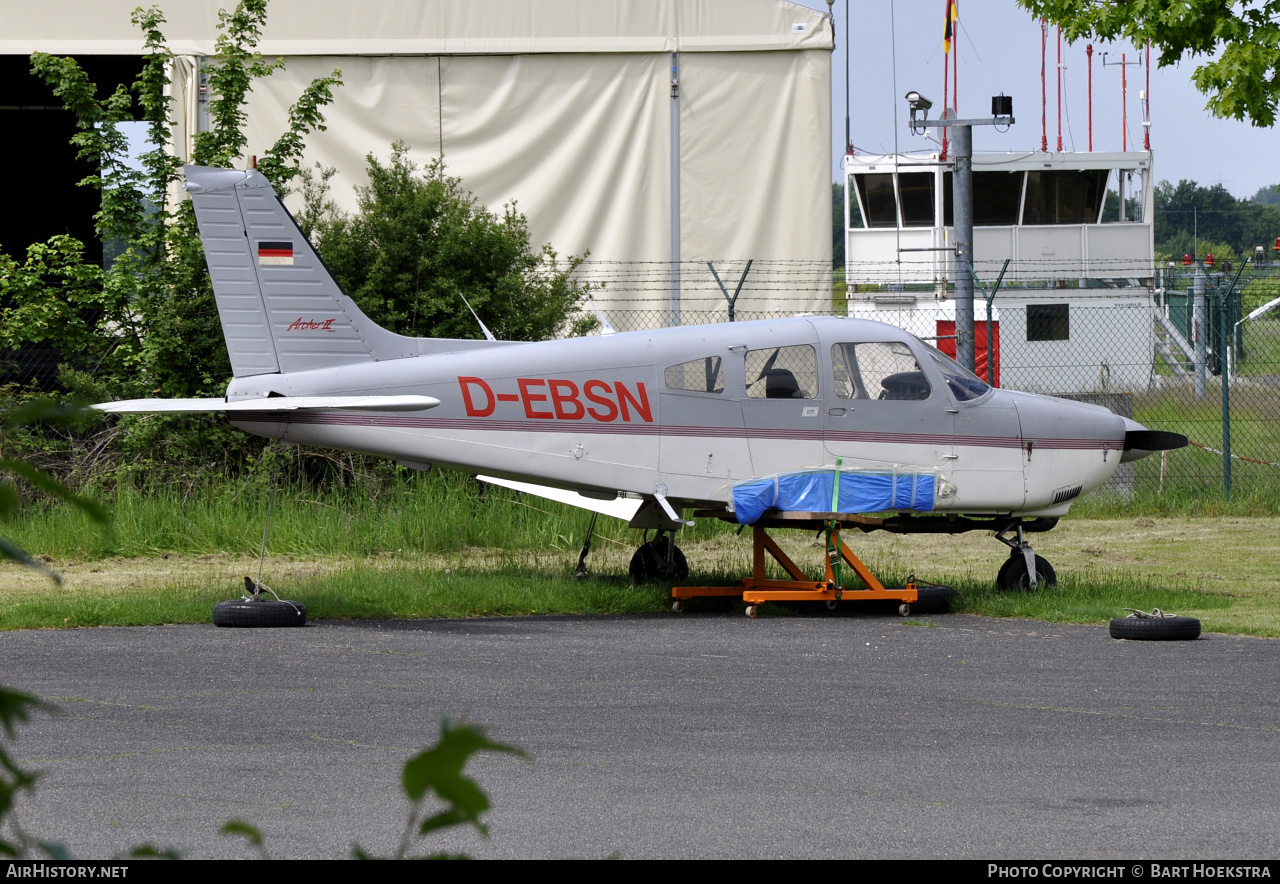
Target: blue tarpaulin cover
(810,492)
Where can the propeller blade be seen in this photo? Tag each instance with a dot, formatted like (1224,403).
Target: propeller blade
(1153,440)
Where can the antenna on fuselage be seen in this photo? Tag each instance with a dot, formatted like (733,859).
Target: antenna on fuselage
(488,335)
(605,327)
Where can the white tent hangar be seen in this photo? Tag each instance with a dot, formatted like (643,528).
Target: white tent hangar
(638,130)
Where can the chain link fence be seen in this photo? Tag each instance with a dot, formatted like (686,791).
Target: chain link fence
(1124,335)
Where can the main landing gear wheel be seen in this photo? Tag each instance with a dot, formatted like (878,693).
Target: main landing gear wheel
(659,560)
(1013,574)
(1155,627)
(260,613)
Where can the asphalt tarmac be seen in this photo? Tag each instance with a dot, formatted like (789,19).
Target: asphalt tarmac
(662,736)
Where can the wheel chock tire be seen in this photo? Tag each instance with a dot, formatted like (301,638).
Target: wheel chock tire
(262,614)
(1155,629)
(933,600)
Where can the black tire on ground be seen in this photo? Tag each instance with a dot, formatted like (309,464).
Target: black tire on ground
(1156,629)
(649,564)
(261,613)
(1013,574)
(932,600)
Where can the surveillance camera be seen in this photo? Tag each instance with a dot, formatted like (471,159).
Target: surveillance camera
(918,101)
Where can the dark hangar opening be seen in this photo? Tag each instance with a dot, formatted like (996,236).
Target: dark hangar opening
(41,196)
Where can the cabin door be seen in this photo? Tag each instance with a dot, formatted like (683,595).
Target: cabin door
(884,412)
(782,408)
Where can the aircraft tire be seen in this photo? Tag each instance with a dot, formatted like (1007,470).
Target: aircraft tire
(1155,629)
(261,613)
(649,564)
(933,600)
(1013,574)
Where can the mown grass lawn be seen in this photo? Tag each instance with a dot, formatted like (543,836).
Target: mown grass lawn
(1224,571)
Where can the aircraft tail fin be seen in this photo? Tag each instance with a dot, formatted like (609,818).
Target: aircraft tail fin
(280,308)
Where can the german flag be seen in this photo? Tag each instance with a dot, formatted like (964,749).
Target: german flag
(949,31)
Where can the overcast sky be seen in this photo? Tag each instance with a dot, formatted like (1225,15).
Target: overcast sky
(999,49)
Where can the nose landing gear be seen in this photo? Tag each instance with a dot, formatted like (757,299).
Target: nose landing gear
(1024,570)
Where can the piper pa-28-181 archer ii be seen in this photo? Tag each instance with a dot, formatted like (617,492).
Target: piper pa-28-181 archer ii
(795,422)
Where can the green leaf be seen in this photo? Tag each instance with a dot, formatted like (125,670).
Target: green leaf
(17,707)
(150,851)
(54,850)
(442,764)
(239,827)
(447,818)
(54,488)
(10,551)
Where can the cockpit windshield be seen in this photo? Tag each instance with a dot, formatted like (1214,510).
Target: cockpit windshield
(964,384)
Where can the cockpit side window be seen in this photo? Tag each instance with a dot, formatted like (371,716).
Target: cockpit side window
(964,384)
(705,375)
(878,370)
(782,373)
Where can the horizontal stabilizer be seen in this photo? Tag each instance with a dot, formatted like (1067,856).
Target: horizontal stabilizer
(273,403)
(621,508)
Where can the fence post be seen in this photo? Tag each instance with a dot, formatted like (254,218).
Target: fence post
(1224,345)
(989,297)
(1199,333)
(734,300)
(1225,374)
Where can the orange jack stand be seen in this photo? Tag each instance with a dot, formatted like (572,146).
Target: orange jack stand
(758,588)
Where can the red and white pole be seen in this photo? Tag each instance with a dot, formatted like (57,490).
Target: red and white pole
(1059,90)
(1089,52)
(1044,129)
(1146,105)
(1124,104)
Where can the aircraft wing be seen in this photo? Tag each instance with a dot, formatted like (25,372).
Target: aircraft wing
(621,508)
(272,403)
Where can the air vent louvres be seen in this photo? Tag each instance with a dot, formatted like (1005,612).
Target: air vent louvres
(1062,495)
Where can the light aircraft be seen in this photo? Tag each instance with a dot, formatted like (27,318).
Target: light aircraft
(735,419)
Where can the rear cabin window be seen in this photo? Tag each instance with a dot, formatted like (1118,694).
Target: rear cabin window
(704,375)
(782,373)
(878,370)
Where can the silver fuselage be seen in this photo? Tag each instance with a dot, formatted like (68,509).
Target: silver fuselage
(594,414)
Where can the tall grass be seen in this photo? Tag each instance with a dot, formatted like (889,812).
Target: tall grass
(421,514)
(443,513)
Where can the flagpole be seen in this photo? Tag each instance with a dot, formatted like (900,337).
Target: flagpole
(947,40)
(954,13)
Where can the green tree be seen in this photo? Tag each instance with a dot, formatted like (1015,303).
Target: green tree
(420,244)
(837,224)
(148,322)
(156,324)
(1268,195)
(1240,40)
(1187,216)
